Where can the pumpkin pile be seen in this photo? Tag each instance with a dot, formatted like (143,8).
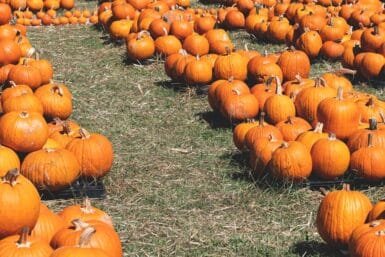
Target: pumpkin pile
(29,228)
(36,136)
(347,220)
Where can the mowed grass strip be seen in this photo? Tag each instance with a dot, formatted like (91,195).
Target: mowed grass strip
(178,186)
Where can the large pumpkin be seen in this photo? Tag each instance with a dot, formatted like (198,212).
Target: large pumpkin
(23,131)
(229,66)
(51,168)
(330,157)
(339,116)
(339,213)
(10,52)
(293,63)
(8,160)
(6,13)
(19,203)
(368,240)
(25,74)
(291,162)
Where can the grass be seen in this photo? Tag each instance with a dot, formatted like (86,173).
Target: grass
(178,186)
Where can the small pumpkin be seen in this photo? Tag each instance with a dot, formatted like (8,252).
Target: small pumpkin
(292,127)
(367,240)
(293,63)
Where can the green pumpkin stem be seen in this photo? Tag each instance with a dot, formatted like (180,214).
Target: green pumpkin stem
(85,237)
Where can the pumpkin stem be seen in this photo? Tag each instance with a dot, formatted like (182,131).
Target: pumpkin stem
(374,223)
(380,233)
(165,31)
(298,78)
(247,47)
(319,127)
(343,71)
(87,207)
(143,32)
(262,118)
(12,83)
(23,239)
(86,236)
(372,124)
(370,102)
(31,51)
(332,136)
(285,145)
(236,91)
(346,187)
(323,191)
(11,177)
(320,82)
(340,93)
(375,30)
(84,133)
(79,224)
(278,90)
(289,120)
(24,114)
(57,89)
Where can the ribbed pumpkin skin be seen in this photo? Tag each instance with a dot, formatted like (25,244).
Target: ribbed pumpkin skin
(330,157)
(8,160)
(339,214)
(368,162)
(293,127)
(19,205)
(51,168)
(15,90)
(291,162)
(84,213)
(368,240)
(359,139)
(309,138)
(262,130)
(231,66)
(104,238)
(94,153)
(34,247)
(56,100)
(22,131)
(26,102)
(79,252)
(261,152)
(47,224)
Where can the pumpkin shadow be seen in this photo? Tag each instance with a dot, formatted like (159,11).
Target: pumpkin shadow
(214,120)
(314,248)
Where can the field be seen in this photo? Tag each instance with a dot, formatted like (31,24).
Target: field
(178,186)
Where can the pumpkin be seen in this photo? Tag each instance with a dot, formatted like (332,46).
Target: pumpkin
(45,68)
(330,157)
(14,91)
(6,13)
(204,24)
(178,70)
(94,153)
(196,45)
(198,71)
(240,132)
(4,71)
(261,152)
(122,10)
(85,212)
(264,130)
(307,100)
(370,108)
(181,29)
(332,50)
(232,65)
(378,211)
(371,65)
(293,63)
(367,161)
(291,162)
(372,39)
(51,169)
(120,28)
(313,21)
(359,138)
(293,87)
(336,80)
(339,213)
(292,127)
(64,133)
(171,61)
(339,116)
(238,106)
(10,52)
(67,4)
(104,238)
(20,203)
(367,240)
(56,100)
(279,107)
(234,19)
(211,94)
(24,245)
(226,88)
(23,131)
(26,102)
(310,42)
(278,29)
(167,45)
(309,138)
(82,247)
(25,74)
